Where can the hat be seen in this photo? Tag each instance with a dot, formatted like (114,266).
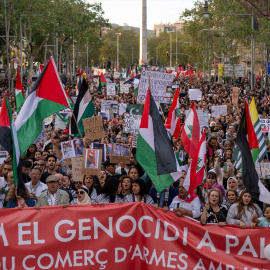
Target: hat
(212,124)
(84,188)
(65,131)
(232,177)
(52,178)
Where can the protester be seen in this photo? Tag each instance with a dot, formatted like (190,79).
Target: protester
(89,182)
(241,213)
(213,211)
(53,195)
(82,196)
(13,200)
(263,221)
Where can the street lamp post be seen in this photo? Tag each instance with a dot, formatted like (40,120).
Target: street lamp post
(117,52)
(171,48)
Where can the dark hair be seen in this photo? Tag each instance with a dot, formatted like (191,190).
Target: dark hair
(36,168)
(141,183)
(93,185)
(234,191)
(26,163)
(110,188)
(211,175)
(53,156)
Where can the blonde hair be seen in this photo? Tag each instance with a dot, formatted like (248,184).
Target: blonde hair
(11,194)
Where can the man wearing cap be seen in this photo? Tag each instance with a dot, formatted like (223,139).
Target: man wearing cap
(53,195)
(110,170)
(64,135)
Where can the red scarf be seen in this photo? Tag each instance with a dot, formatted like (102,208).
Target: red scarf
(188,200)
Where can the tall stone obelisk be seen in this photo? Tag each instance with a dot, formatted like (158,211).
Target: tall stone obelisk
(143,34)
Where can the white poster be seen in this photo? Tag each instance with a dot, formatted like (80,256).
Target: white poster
(195,94)
(159,81)
(110,89)
(124,88)
(219,110)
(106,104)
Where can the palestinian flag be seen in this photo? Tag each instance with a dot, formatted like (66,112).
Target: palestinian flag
(257,153)
(41,67)
(195,173)
(46,98)
(173,123)
(191,131)
(132,75)
(19,93)
(9,140)
(128,72)
(154,150)
(116,87)
(71,102)
(84,108)
(102,82)
(248,147)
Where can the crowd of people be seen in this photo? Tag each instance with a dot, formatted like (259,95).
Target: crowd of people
(221,198)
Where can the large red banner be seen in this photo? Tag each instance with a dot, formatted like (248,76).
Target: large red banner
(128,236)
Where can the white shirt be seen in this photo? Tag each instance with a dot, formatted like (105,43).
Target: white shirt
(37,189)
(193,206)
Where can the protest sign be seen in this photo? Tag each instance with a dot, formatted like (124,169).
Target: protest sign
(219,110)
(110,89)
(101,146)
(93,128)
(48,120)
(239,70)
(129,236)
(132,123)
(120,152)
(228,70)
(265,124)
(202,117)
(92,160)
(135,138)
(67,149)
(104,115)
(235,95)
(106,104)
(117,75)
(77,168)
(159,81)
(124,88)
(195,94)
(59,123)
(263,169)
(41,137)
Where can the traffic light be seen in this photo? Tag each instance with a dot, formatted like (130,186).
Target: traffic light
(167,53)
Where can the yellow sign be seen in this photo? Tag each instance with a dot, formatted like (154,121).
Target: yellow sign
(220,70)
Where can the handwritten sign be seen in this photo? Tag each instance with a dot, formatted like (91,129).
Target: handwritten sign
(110,89)
(124,88)
(77,168)
(219,110)
(41,137)
(265,125)
(159,81)
(93,128)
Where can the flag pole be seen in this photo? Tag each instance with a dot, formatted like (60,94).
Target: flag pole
(76,124)
(163,116)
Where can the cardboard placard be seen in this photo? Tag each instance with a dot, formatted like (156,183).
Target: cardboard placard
(235,95)
(110,89)
(93,128)
(77,168)
(120,152)
(91,163)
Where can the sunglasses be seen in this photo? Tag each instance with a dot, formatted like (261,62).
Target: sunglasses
(78,183)
(80,192)
(238,177)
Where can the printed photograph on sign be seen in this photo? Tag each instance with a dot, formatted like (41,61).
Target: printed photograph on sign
(102,147)
(92,158)
(67,149)
(120,152)
(78,146)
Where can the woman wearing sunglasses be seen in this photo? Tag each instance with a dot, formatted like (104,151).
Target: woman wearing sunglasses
(82,196)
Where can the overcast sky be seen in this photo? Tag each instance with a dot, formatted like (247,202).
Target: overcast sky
(129,11)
